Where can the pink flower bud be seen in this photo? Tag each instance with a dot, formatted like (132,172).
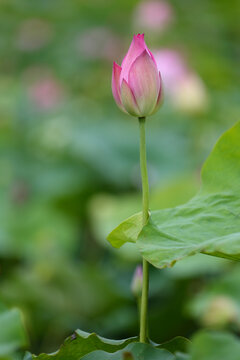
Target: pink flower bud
(137,281)
(137,84)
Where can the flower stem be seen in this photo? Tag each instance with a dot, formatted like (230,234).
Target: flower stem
(145,215)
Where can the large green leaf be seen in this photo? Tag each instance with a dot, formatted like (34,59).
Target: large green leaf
(209,223)
(136,351)
(107,211)
(176,345)
(215,346)
(82,343)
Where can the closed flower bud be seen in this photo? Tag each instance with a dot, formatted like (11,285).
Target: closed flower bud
(136,84)
(137,281)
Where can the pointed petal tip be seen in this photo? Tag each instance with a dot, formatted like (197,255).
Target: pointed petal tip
(139,37)
(116,66)
(136,48)
(146,54)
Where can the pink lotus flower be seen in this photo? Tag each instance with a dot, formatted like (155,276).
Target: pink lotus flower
(46,93)
(153,15)
(137,84)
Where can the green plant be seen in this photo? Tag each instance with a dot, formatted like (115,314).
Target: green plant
(208,224)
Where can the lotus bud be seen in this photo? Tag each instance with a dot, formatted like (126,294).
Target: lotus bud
(137,281)
(137,84)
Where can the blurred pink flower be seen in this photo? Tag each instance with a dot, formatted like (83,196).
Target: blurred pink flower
(182,85)
(137,280)
(46,92)
(137,84)
(99,43)
(153,15)
(173,67)
(34,34)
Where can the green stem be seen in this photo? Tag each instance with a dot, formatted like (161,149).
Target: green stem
(139,300)
(145,215)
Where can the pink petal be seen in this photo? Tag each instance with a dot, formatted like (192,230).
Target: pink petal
(128,99)
(145,83)
(115,83)
(136,48)
(160,96)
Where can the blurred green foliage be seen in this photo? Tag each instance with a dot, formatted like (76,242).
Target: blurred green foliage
(69,162)
(12,333)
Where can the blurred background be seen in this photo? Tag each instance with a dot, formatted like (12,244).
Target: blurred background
(69,164)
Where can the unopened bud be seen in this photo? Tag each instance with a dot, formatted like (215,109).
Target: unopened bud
(137,281)
(137,84)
